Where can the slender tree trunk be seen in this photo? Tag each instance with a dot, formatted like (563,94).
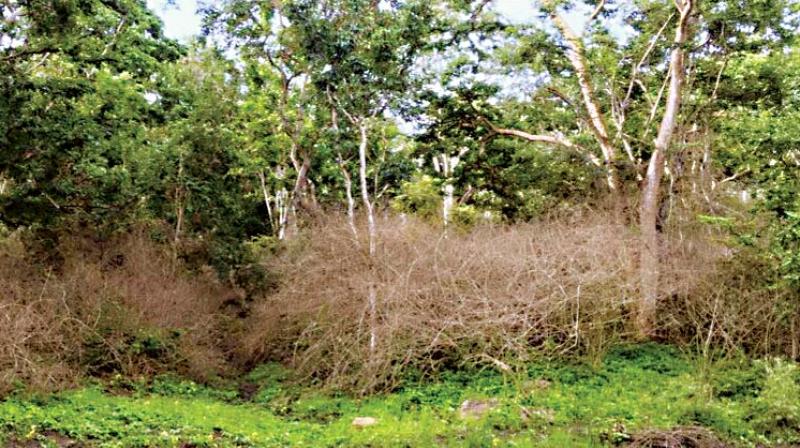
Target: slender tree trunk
(372,234)
(180,202)
(649,262)
(267,200)
(362,173)
(179,223)
(576,58)
(351,203)
(303,193)
(282,206)
(447,204)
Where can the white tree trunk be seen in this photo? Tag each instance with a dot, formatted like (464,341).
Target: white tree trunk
(267,199)
(372,234)
(577,60)
(447,204)
(649,263)
(282,207)
(446,165)
(351,203)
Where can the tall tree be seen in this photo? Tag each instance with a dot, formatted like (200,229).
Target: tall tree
(362,54)
(74,83)
(268,42)
(649,263)
(570,80)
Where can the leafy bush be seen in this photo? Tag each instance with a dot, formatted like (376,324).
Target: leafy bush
(776,410)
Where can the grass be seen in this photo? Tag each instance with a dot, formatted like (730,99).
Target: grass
(551,404)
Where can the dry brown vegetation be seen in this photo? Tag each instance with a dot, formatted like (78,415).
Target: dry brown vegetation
(682,437)
(493,295)
(121,306)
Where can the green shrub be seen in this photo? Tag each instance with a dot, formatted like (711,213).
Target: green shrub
(776,410)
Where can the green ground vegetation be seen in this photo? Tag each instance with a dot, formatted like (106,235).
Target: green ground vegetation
(548,404)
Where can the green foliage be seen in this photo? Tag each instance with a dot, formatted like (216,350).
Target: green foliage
(552,403)
(514,179)
(75,110)
(737,380)
(107,124)
(420,196)
(759,137)
(776,411)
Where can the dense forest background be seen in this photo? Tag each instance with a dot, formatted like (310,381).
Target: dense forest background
(369,189)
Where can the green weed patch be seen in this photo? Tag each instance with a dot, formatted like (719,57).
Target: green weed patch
(634,391)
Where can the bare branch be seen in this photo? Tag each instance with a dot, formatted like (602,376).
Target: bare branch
(556,140)
(641,62)
(478,10)
(596,12)
(735,176)
(654,107)
(113,42)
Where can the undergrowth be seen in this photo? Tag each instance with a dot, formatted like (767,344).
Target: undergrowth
(635,394)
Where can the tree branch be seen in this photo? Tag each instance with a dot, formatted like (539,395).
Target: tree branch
(555,140)
(641,62)
(596,12)
(597,125)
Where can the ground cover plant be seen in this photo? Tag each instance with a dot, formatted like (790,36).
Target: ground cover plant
(638,395)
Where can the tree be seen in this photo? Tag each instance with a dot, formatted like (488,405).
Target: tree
(269,43)
(649,263)
(75,78)
(614,89)
(189,173)
(361,55)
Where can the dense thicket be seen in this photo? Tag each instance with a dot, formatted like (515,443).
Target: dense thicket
(676,122)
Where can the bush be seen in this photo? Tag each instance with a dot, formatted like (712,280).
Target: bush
(122,306)
(493,296)
(737,307)
(776,411)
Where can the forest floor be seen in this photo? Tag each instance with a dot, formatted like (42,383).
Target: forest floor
(645,395)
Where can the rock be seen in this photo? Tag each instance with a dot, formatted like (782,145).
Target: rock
(543,414)
(476,408)
(534,385)
(363,422)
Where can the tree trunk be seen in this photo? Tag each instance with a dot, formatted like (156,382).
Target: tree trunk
(597,124)
(282,206)
(372,234)
(267,199)
(649,259)
(447,204)
(351,203)
(303,193)
(180,202)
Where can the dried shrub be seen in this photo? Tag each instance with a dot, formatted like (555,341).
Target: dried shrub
(493,294)
(34,338)
(735,308)
(123,306)
(681,437)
